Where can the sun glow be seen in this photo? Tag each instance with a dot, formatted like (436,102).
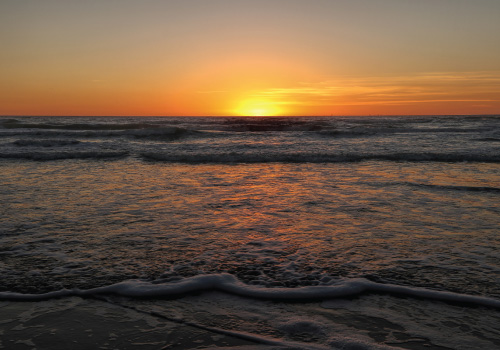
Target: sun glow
(258,108)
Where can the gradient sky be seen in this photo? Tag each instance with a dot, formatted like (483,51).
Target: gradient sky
(249,57)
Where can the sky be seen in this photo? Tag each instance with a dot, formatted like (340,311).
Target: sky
(249,57)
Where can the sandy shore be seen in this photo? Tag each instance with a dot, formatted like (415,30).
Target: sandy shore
(224,321)
(75,323)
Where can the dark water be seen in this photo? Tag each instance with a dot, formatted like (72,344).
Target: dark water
(251,205)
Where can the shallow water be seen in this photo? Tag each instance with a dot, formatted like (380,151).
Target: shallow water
(86,224)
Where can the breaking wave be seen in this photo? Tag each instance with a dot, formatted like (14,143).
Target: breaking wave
(230,284)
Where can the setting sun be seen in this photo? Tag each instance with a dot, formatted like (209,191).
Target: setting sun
(258,108)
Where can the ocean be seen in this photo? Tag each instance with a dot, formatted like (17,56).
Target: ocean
(298,232)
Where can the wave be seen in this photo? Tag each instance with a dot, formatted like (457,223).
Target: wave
(486,189)
(282,157)
(268,124)
(322,125)
(488,139)
(384,131)
(252,158)
(160,133)
(45,143)
(341,126)
(229,284)
(64,155)
(170,133)
(16,124)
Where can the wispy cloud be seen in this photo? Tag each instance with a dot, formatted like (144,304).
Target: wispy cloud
(480,87)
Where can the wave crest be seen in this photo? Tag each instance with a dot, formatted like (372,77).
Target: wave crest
(230,284)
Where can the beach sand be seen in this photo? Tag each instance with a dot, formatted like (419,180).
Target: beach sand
(75,323)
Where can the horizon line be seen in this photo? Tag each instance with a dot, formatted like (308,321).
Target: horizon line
(250,116)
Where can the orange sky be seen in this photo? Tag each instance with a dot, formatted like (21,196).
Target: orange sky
(249,57)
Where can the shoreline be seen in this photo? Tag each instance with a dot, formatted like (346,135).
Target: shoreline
(219,320)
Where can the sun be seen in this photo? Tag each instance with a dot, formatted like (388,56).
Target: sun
(258,108)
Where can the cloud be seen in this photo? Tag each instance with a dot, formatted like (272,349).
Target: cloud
(442,87)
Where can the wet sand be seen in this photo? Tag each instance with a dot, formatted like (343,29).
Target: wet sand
(75,323)
(223,321)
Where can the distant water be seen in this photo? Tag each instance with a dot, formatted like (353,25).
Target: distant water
(258,207)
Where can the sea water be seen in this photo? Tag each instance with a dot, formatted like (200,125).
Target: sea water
(262,210)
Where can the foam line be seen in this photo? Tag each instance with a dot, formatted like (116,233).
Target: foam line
(230,284)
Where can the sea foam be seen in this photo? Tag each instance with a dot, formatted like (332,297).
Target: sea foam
(229,284)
